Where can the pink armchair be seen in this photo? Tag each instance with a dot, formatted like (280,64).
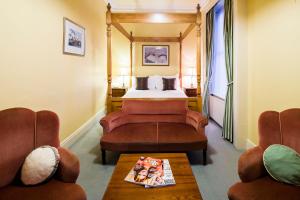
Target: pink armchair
(274,128)
(21,131)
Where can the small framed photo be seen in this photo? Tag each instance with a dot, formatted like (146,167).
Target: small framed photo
(156,55)
(74,38)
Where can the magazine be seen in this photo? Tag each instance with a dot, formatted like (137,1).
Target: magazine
(151,172)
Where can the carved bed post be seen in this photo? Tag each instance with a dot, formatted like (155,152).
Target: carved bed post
(180,59)
(198,30)
(109,60)
(131,63)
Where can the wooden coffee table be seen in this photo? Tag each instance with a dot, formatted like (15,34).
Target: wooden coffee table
(186,186)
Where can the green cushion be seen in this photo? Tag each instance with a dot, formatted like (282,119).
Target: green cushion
(283,164)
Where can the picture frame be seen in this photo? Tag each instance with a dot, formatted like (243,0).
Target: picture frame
(73,38)
(156,55)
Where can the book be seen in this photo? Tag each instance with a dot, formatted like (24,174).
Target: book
(151,172)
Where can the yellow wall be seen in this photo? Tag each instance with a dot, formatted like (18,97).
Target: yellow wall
(120,57)
(189,54)
(121,48)
(273,57)
(34,71)
(120,51)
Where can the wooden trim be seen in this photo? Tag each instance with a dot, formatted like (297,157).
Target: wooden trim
(143,64)
(109,59)
(122,30)
(156,39)
(131,61)
(188,30)
(159,18)
(180,59)
(198,57)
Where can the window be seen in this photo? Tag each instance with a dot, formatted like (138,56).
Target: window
(218,85)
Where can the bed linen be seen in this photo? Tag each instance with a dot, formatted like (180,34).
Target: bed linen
(157,94)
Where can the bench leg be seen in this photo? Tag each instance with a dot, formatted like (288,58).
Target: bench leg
(204,156)
(103,156)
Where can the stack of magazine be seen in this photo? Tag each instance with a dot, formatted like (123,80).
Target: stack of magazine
(151,172)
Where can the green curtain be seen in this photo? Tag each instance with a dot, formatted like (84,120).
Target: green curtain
(228,37)
(209,54)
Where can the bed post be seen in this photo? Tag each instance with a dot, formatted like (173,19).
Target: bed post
(131,62)
(180,59)
(198,30)
(109,61)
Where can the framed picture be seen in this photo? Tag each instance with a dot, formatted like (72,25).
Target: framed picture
(156,55)
(74,38)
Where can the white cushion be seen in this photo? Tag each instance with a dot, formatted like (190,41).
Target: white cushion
(40,165)
(154,82)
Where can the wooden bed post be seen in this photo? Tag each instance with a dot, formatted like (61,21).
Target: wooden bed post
(131,62)
(198,30)
(109,60)
(180,59)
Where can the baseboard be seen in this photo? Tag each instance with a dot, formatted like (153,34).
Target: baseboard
(82,130)
(250,144)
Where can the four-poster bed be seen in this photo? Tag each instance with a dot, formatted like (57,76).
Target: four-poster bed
(115,19)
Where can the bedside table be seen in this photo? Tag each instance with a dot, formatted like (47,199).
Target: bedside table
(118,92)
(190,92)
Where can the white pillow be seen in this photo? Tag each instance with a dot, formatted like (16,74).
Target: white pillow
(40,165)
(154,82)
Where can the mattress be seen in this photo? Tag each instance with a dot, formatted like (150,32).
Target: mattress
(156,94)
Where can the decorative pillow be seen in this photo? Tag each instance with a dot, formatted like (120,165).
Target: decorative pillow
(283,164)
(40,165)
(177,84)
(169,83)
(142,83)
(154,82)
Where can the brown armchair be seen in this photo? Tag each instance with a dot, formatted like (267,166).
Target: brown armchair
(21,131)
(274,128)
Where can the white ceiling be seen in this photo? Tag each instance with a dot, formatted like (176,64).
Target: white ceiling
(155,5)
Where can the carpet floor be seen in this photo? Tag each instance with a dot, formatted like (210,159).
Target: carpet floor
(213,180)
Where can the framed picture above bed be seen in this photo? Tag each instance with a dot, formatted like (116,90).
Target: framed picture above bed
(155,55)
(74,38)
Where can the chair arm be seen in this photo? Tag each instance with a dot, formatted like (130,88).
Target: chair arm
(107,122)
(196,119)
(69,167)
(250,165)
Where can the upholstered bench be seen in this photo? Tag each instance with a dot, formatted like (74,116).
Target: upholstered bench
(154,126)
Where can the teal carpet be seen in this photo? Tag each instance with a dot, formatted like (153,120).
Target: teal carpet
(213,180)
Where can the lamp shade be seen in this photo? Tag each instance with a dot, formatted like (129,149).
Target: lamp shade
(124,71)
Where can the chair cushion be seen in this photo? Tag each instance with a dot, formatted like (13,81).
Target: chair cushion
(131,137)
(282,163)
(53,189)
(263,189)
(180,137)
(154,137)
(40,165)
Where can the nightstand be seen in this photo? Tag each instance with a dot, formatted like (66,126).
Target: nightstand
(118,92)
(190,92)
